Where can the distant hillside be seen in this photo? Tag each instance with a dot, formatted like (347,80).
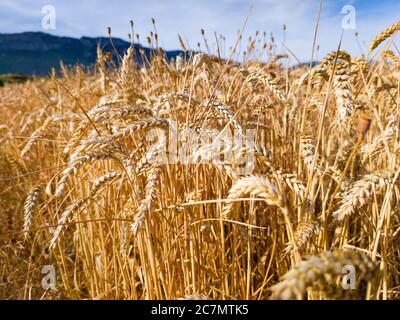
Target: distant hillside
(35,53)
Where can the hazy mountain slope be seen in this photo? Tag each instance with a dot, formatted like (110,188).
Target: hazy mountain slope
(35,53)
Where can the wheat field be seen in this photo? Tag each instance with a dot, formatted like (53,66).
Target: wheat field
(88,184)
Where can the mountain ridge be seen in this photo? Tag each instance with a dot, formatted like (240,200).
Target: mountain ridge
(35,53)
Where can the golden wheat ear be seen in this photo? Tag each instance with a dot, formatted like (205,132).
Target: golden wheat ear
(320,271)
(30,206)
(359,193)
(256,186)
(384,35)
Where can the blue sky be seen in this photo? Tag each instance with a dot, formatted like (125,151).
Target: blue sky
(91,18)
